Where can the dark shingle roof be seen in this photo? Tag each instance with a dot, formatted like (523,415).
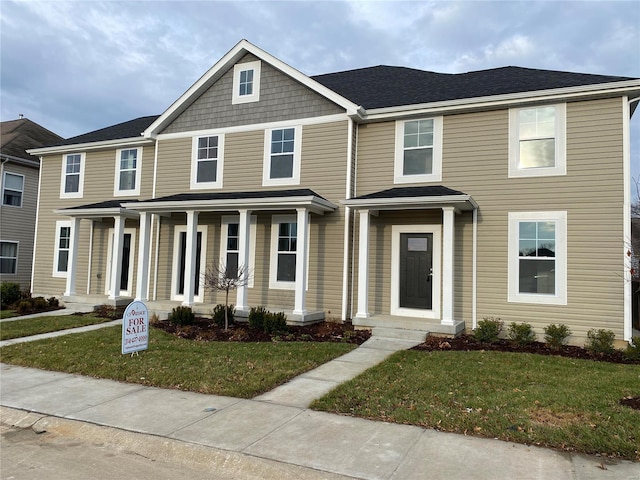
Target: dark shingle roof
(410,192)
(130,129)
(384,86)
(100,205)
(20,135)
(182,197)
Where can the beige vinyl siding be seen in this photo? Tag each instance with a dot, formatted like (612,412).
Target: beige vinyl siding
(475,161)
(17,224)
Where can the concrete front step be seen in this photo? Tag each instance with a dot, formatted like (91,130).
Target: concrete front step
(400,333)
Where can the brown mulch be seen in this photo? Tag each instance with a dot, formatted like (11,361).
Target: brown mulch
(204,329)
(633,402)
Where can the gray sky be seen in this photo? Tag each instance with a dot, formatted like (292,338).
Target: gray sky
(77,66)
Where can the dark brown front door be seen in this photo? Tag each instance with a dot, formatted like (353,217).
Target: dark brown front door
(416,275)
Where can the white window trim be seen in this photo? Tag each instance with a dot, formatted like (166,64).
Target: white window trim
(63,178)
(273,262)
(297,153)
(202,229)
(560,219)
(226,220)
(241,67)
(560,142)
(56,250)
(436,278)
(17,244)
(116,185)
(398,168)
(21,192)
(132,258)
(195,185)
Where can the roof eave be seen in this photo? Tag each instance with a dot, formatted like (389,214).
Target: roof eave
(462,202)
(22,161)
(98,212)
(119,142)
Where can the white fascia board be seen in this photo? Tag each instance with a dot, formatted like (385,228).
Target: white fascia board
(21,161)
(97,212)
(227,61)
(494,101)
(314,204)
(463,202)
(76,147)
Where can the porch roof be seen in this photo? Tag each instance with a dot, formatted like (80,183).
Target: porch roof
(234,201)
(413,198)
(108,208)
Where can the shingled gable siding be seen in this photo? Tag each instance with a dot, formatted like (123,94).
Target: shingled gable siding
(281,99)
(98,186)
(475,161)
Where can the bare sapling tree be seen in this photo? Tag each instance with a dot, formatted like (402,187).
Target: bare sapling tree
(222,279)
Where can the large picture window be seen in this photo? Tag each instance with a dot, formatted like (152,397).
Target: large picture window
(282,156)
(127,181)
(537,141)
(8,258)
(418,150)
(12,189)
(72,183)
(537,257)
(207,161)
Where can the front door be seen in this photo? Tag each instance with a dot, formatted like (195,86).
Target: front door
(416,271)
(126,264)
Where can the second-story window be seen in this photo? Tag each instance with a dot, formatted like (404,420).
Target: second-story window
(127,181)
(72,175)
(207,161)
(282,156)
(12,188)
(418,155)
(246,82)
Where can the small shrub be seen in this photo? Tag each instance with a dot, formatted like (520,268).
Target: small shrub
(154,318)
(275,323)
(632,352)
(217,314)
(182,316)
(109,311)
(521,333)
(488,330)
(32,305)
(256,317)
(600,341)
(53,303)
(9,293)
(556,335)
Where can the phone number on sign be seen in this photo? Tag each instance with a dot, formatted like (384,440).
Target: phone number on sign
(135,340)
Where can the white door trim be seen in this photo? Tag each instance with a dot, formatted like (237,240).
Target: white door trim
(178,229)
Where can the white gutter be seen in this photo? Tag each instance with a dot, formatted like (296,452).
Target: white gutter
(347,213)
(474,274)
(22,161)
(392,203)
(120,142)
(626,215)
(98,212)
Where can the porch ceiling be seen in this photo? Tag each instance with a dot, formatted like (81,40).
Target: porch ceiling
(413,198)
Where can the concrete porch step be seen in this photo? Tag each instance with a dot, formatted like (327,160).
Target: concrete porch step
(400,334)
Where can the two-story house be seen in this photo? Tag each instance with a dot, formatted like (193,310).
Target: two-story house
(19,172)
(390,196)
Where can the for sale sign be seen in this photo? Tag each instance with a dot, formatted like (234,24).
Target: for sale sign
(135,328)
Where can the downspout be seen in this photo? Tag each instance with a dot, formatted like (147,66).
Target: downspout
(353,236)
(90,258)
(347,213)
(153,217)
(474,274)
(35,231)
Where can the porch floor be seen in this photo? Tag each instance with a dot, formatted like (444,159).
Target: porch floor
(426,325)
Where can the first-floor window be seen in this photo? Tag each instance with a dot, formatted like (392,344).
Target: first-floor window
(231,264)
(287,245)
(62,247)
(8,258)
(537,263)
(230,247)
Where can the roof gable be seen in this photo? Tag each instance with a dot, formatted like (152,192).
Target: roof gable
(17,136)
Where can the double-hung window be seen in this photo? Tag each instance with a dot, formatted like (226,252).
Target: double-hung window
(62,247)
(207,161)
(8,258)
(418,150)
(246,82)
(12,189)
(72,183)
(538,257)
(282,156)
(230,247)
(127,180)
(537,141)
(287,246)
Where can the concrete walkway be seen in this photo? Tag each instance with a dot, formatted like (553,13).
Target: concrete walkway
(279,429)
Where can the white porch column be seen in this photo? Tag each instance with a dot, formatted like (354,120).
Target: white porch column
(72,261)
(448,250)
(142,282)
(190,257)
(116,257)
(302,252)
(244,226)
(363,266)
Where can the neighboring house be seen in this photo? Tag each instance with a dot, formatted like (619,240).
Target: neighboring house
(390,196)
(19,177)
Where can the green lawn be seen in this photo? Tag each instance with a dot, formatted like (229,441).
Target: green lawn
(549,401)
(37,325)
(8,314)
(222,368)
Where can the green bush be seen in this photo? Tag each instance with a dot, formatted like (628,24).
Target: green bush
(632,351)
(275,323)
(217,314)
(600,341)
(488,330)
(521,333)
(182,316)
(556,335)
(32,305)
(53,303)
(9,293)
(256,317)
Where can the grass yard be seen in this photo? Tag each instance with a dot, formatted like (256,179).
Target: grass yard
(45,324)
(235,369)
(549,401)
(7,314)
